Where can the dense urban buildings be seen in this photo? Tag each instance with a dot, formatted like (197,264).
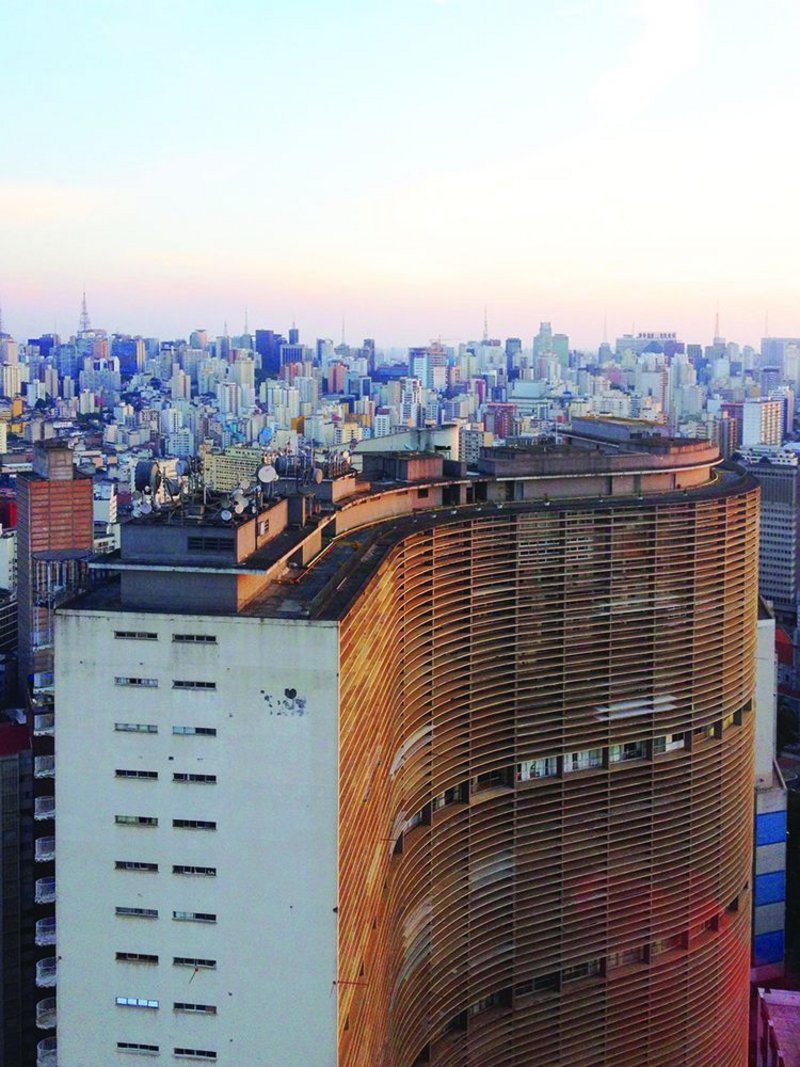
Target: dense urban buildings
(424,765)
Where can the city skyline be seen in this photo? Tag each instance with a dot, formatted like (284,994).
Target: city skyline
(401,167)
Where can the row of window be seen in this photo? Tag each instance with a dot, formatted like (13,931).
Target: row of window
(178,916)
(178,639)
(177,961)
(178,776)
(177,868)
(595,968)
(153,1050)
(139,1002)
(152,683)
(152,820)
(178,731)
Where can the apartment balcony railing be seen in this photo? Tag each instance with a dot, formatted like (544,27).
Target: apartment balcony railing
(46,972)
(46,1053)
(44,767)
(44,808)
(46,931)
(45,849)
(46,1013)
(45,890)
(44,725)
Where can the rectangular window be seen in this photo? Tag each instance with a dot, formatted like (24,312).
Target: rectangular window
(134,865)
(136,1002)
(135,635)
(537,768)
(193,961)
(201,779)
(194,916)
(193,824)
(139,683)
(188,684)
(194,639)
(190,731)
(195,1053)
(587,760)
(627,957)
(459,794)
(581,970)
(136,957)
(198,1009)
(121,772)
(134,1046)
(628,751)
(136,820)
(136,727)
(208,544)
(137,913)
(668,743)
(209,872)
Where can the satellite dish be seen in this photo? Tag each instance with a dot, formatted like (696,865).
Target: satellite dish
(240,506)
(147,507)
(181,467)
(142,475)
(226,515)
(267,474)
(318,475)
(265,436)
(243,485)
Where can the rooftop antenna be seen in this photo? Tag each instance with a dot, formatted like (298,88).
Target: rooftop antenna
(246,330)
(716,323)
(85,323)
(485,323)
(343,340)
(225,328)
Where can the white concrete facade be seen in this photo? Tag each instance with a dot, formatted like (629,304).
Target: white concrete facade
(264,854)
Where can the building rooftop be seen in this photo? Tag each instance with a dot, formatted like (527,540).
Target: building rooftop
(779,1017)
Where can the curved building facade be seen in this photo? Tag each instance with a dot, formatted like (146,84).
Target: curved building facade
(546,788)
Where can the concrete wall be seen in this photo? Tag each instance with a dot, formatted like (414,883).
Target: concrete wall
(274,849)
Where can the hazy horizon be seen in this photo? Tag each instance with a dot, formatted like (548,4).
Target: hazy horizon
(401,166)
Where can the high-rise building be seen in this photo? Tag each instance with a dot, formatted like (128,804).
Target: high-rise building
(18,1034)
(762,422)
(460,772)
(777,471)
(54,540)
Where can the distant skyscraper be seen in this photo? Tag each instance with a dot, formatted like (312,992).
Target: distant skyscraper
(778,474)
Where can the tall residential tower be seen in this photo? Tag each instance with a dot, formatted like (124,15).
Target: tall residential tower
(433,768)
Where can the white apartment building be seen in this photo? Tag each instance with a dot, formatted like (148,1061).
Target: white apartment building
(213,750)
(762,422)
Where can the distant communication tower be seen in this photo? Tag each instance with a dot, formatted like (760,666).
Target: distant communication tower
(85,324)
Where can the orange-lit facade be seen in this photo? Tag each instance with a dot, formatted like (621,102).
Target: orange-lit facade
(545,802)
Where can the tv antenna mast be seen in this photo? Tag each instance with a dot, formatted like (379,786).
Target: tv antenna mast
(85,324)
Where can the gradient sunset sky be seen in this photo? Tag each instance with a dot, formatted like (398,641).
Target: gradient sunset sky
(401,164)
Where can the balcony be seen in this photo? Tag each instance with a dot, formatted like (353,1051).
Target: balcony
(46,1054)
(45,892)
(44,808)
(46,973)
(45,849)
(44,725)
(44,767)
(46,931)
(46,1013)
